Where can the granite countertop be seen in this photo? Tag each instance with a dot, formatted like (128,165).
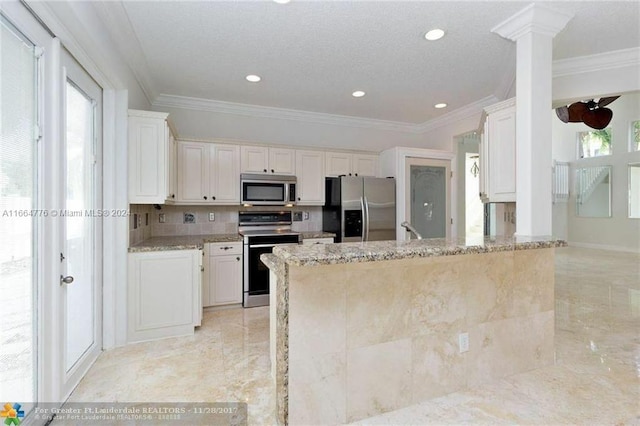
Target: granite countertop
(185,242)
(317,234)
(328,254)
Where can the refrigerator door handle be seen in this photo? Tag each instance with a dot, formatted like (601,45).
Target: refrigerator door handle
(364,218)
(366,222)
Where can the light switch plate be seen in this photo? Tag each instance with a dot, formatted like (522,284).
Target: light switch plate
(306,215)
(212,216)
(161,218)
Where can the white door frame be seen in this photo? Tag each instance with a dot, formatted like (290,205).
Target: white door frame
(393,163)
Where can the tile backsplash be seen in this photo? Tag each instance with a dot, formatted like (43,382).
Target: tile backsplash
(141,230)
(225,220)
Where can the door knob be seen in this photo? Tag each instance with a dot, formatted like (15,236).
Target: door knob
(66,280)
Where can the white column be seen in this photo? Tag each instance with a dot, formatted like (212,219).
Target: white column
(533,29)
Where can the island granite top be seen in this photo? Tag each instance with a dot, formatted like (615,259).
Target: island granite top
(329,254)
(185,242)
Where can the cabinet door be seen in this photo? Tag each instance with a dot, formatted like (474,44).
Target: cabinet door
(225,174)
(147,160)
(338,163)
(226,283)
(254,159)
(365,165)
(310,167)
(162,293)
(282,161)
(172,164)
(501,140)
(193,172)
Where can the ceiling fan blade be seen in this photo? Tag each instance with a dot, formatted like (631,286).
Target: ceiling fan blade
(576,110)
(598,118)
(563,114)
(606,101)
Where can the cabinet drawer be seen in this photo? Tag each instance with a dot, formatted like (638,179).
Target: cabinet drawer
(222,249)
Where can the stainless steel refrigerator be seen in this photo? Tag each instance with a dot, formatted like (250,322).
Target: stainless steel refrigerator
(360,209)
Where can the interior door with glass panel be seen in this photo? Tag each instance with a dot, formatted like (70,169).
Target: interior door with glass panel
(80,279)
(20,221)
(428,196)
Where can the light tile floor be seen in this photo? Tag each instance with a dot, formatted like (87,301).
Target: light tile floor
(595,380)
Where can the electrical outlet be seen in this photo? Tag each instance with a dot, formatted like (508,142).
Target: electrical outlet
(161,218)
(306,215)
(212,216)
(463,342)
(139,220)
(135,221)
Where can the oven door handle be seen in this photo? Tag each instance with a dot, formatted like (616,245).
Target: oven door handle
(251,246)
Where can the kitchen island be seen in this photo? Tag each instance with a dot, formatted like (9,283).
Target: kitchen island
(359,329)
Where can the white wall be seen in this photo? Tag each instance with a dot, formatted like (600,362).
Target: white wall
(619,231)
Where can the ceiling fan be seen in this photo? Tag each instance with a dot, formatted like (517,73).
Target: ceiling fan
(592,113)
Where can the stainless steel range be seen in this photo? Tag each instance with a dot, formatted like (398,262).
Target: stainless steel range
(261,232)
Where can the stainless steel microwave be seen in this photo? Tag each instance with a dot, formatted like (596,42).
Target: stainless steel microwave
(268,190)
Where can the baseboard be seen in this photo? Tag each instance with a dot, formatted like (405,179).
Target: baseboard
(604,247)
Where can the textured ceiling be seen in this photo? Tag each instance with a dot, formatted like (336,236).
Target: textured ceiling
(313,54)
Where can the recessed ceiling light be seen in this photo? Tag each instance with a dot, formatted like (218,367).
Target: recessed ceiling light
(282,1)
(253,78)
(358,94)
(434,34)
(442,105)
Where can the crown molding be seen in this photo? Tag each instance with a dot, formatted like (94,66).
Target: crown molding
(459,114)
(199,104)
(536,18)
(598,62)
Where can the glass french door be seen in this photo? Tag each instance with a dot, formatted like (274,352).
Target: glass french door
(20,221)
(80,279)
(428,189)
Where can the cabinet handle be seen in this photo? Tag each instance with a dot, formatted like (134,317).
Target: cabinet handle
(298,198)
(356,174)
(205,197)
(264,170)
(213,197)
(238,259)
(173,195)
(349,174)
(272,171)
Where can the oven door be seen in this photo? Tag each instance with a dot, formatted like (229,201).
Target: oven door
(256,274)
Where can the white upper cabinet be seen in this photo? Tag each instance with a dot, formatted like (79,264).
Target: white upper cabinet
(262,159)
(282,161)
(224,174)
(498,153)
(310,187)
(342,163)
(208,173)
(365,165)
(150,158)
(337,164)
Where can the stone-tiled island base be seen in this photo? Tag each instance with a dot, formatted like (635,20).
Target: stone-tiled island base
(356,339)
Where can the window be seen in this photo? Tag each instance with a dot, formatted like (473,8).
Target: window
(635,135)
(594,143)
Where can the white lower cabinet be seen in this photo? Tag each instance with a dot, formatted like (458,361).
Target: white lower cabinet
(164,298)
(223,274)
